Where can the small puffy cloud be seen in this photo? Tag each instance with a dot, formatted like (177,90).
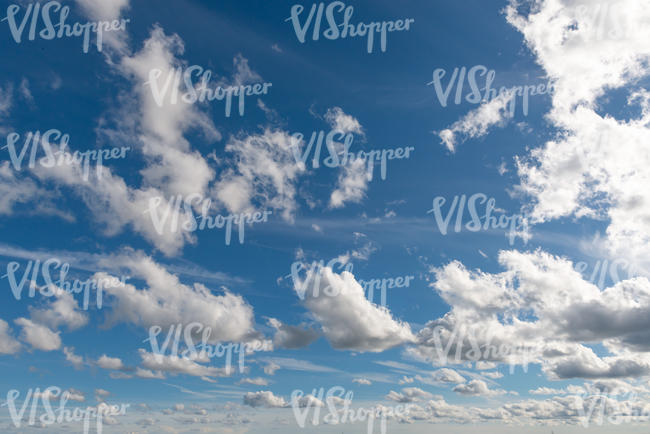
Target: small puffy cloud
(106,362)
(146,373)
(476,388)
(63,311)
(75,395)
(310,401)
(477,122)
(181,365)
(101,394)
(446,375)
(255,381)
(264,399)
(351,185)
(339,120)
(75,360)
(409,394)
(38,336)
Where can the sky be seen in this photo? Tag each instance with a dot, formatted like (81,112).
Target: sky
(252,217)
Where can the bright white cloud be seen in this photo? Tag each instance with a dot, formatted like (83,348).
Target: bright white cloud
(351,185)
(349,320)
(341,121)
(596,163)
(477,122)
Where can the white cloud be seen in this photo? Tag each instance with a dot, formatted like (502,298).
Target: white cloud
(446,375)
(64,310)
(15,190)
(539,311)
(180,365)
(363,381)
(354,176)
(547,391)
(409,394)
(477,122)
(310,401)
(8,345)
(107,10)
(101,394)
(476,388)
(75,360)
(76,395)
(264,399)
(264,174)
(259,381)
(167,301)
(146,373)
(348,319)
(38,336)
(275,363)
(106,362)
(174,168)
(351,185)
(596,162)
(338,120)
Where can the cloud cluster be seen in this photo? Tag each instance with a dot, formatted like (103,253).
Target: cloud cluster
(597,161)
(540,310)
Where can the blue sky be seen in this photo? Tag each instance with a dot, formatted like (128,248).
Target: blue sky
(573,167)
